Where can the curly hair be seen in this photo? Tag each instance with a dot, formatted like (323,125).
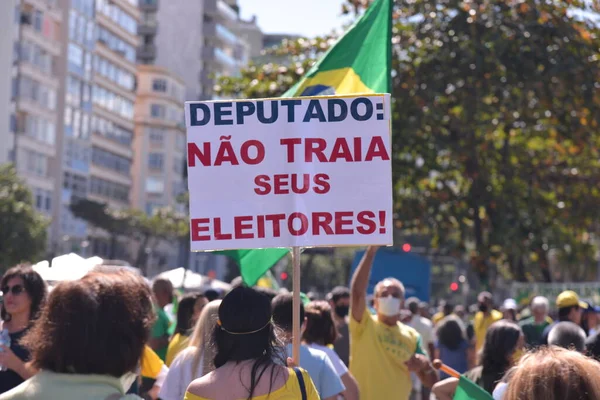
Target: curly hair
(96,325)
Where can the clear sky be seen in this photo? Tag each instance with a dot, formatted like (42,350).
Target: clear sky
(305,17)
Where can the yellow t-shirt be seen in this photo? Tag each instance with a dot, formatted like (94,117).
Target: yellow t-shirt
(377,356)
(151,364)
(481,325)
(437,317)
(289,391)
(177,343)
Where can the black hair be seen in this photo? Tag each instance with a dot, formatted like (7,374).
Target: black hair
(448,309)
(451,332)
(185,311)
(33,284)
(412,303)
(245,332)
(211,295)
(592,346)
(283,311)
(500,343)
(338,293)
(567,335)
(563,312)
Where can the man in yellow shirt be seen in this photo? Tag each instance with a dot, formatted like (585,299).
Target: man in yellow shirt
(383,351)
(484,318)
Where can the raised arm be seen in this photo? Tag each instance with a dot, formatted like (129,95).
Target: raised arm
(360,282)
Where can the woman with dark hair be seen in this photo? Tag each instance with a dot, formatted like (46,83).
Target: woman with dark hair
(502,348)
(246,360)
(24,293)
(89,339)
(452,346)
(188,312)
(319,333)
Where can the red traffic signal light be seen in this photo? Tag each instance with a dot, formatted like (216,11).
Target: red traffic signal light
(454,286)
(284,276)
(406,247)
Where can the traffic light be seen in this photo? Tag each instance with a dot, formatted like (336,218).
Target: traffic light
(284,276)
(454,286)
(406,247)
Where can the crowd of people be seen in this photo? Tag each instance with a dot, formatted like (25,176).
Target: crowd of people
(113,335)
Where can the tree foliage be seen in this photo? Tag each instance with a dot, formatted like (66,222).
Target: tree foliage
(23,233)
(495,128)
(147,230)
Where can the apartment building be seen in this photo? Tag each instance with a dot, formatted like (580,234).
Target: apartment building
(160,151)
(34,29)
(97,116)
(10,22)
(213,46)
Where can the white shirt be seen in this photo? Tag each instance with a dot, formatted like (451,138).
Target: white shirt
(425,328)
(180,375)
(338,364)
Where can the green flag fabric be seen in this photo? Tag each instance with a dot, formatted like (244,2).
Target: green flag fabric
(468,390)
(255,262)
(360,61)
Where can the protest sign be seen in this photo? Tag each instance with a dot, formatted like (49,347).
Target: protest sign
(289,172)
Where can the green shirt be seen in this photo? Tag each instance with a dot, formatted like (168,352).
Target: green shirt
(161,329)
(534,332)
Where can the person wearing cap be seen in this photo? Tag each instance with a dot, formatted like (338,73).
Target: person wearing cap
(569,309)
(509,310)
(589,319)
(484,318)
(533,327)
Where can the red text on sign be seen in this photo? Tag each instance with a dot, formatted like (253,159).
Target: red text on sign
(294,224)
(291,183)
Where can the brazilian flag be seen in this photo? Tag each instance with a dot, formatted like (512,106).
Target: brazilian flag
(360,62)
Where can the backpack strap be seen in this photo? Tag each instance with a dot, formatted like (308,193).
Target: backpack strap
(301,382)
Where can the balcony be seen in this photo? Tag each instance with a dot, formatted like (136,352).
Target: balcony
(225,34)
(147,27)
(146,51)
(148,5)
(219,9)
(225,59)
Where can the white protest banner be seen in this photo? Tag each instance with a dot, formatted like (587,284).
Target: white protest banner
(309,171)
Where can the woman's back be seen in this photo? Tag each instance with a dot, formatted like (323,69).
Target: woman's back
(231,382)
(455,358)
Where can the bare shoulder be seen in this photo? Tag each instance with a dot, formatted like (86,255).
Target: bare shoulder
(202,386)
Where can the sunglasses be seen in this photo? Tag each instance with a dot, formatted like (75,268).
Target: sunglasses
(15,290)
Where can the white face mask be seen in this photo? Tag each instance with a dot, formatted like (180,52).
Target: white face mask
(388,306)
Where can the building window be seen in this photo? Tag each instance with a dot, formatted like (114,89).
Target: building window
(111,161)
(108,189)
(43,200)
(155,185)
(159,85)
(38,20)
(156,135)
(75,55)
(36,163)
(158,111)
(112,102)
(156,161)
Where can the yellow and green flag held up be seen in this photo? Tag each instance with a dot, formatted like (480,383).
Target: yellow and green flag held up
(360,62)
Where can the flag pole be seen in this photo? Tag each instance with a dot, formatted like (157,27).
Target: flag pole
(296,304)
